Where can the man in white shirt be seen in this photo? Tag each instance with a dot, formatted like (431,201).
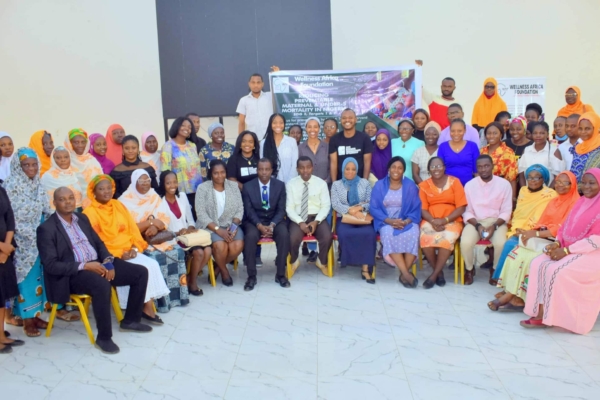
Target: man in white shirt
(567,148)
(307,207)
(255,108)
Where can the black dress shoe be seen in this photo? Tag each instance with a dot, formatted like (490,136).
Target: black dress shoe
(428,284)
(134,327)
(312,257)
(15,343)
(107,346)
(227,282)
(7,333)
(440,280)
(154,321)
(197,292)
(283,281)
(6,350)
(250,283)
(305,250)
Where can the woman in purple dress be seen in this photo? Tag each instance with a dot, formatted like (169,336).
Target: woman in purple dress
(459,155)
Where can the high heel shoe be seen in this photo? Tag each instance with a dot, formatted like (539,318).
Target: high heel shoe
(369,279)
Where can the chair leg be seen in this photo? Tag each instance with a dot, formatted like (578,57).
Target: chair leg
(414,269)
(330,263)
(288,271)
(235,264)
(114,299)
(84,319)
(51,320)
(420,258)
(211,272)
(86,304)
(374,270)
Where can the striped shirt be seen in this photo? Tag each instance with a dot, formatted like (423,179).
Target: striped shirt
(82,249)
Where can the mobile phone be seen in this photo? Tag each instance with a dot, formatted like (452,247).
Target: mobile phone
(233,227)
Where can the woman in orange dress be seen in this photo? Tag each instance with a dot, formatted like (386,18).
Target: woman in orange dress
(443,203)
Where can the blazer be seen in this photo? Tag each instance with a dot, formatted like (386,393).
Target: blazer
(58,259)
(253,209)
(206,205)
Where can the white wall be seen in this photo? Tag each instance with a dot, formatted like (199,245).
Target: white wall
(470,40)
(89,63)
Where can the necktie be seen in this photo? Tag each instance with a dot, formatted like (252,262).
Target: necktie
(265,198)
(304,203)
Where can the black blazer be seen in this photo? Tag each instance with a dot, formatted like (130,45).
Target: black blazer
(253,210)
(58,259)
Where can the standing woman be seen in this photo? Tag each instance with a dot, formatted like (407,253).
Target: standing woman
(280,149)
(421,156)
(150,153)
(396,210)
(503,157)
(488,105)
(330,128)
(29,203)
(243,163)
(382,153)
(41,142)
(405,145)
(587,152)
(131,161)
(316,149)
(61,174)
(114,141)
(541,152)
(83,163)
(459,155)
(420,119)
(98,150)
(574,103)
(180,156)
(517,137)
(370,129)
(216,149)
(7,149)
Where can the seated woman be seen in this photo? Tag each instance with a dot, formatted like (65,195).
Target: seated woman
(396,210)
(83,163)
(98,147)
(243,164)
(352,195)
(515,272)
(531,203)
(143,204)
(121,174)
(61,174)
(181,222)
(564,288)
(150,153)
(119,232)
(7,149)
(42,143)
(443,203)
(220,210)
(459,155)
(216,149)
(421,157)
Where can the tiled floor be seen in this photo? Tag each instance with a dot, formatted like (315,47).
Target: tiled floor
(323,338)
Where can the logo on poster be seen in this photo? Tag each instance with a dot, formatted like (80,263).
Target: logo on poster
(502,89)
(281,84)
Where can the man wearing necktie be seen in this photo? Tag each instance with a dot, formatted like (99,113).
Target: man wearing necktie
(307,207)
(264,217)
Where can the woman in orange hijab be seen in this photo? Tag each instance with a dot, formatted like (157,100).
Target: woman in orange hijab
(488,105)
(574,103)
(587,153)
(41,142)
(114,148)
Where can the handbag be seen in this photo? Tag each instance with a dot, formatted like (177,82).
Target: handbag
(199,238)
(352,220)
(161,237)
(535,244)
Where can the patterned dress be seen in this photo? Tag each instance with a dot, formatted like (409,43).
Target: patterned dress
(405,242)
(208,153)
(505,161)
(183,160)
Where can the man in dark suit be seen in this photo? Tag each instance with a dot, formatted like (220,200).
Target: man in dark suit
(75,260)
(264,217)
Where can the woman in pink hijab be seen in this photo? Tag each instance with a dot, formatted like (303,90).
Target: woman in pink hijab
(98,147)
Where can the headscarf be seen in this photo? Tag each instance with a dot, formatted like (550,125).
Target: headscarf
(558,209)
(140,206)
(114,151)
(485,109)
(351,184)
(520,120)
(35,142)
(5,161)
(85,166)
(594,142)
(582,221)
(214,126)
(28,201)
(57,177)
(106,164)
(433,124)
(312,119)
(542,170)
(380,158)
(113,222)
(151,158)
(576,108)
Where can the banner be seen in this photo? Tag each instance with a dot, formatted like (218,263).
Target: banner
(383,96)
(518,92)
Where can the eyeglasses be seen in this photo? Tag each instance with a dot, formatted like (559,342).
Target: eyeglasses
(561,183)
(489,87)
(570,94)
(535,179)
(436,167)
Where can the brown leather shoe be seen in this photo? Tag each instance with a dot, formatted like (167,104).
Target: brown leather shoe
(492,281)
(468,277)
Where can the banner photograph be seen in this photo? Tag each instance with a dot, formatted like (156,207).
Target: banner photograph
(383,96)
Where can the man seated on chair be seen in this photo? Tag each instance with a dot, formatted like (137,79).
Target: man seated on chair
(489,206)
(307,206)
(76,261)
(264,217)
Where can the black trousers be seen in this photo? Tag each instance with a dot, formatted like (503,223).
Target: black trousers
(126,274)
(282,241)
(322,234)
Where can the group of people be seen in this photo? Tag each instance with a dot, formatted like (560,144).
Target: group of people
(104,210)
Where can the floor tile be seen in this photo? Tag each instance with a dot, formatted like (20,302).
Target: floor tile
(451,385)
(364,387)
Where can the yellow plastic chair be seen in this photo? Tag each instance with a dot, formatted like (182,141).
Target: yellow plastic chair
(211,270)
(311,239)
(462,261)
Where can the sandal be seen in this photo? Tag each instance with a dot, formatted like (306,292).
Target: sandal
(532,323)
(14,321)
(499,294)
(30,329)
(67,316)
(510,307)
(40,323)
(494,305)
